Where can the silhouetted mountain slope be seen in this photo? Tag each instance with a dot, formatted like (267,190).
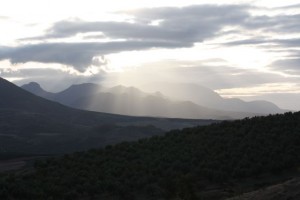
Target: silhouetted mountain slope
(15,98)
(134,102)
(208,162)
(31,124)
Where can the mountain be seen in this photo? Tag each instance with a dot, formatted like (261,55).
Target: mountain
(213,162)
(206,97)
(31,124)
(71,94)
(132,101)
(36,89)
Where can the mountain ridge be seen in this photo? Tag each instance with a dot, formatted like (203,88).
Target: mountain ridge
(206,97)
(134,102)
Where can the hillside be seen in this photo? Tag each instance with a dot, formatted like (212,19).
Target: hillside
(210,162)
(287,190)
(31,124)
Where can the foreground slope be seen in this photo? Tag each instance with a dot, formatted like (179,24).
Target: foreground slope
(211,162)
(288,190)
(31,124)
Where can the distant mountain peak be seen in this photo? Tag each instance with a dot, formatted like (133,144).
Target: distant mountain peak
(33,85)
(35,88)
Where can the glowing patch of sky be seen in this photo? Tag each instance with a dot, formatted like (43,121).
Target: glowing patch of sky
(270,88)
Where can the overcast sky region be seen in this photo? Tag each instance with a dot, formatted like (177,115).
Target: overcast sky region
(249,49)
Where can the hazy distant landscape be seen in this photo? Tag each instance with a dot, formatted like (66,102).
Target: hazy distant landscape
(132,101)
(150,100)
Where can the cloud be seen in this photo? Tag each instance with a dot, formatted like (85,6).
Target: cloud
(78,55)
(294,42)
(94,36)
(4,17)
(277,30)
(289,42)
(293,6)
(252,41)
(190,24)
(288,66)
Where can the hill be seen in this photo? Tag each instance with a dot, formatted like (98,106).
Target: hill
(31,124)
(132,101)
(209,162)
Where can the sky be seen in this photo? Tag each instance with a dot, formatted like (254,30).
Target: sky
(241,49)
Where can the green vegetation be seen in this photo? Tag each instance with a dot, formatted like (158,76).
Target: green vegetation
(178,165)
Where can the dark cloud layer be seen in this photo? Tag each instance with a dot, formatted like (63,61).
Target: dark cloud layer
(286,43)
(279,23)
(190,24)
(78,55)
